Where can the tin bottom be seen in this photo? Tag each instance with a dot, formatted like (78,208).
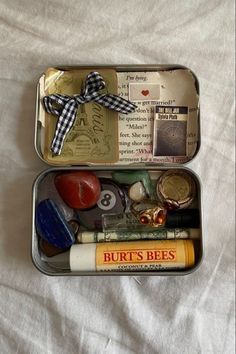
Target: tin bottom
(130,230)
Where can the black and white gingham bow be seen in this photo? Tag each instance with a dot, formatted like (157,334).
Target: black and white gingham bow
(68,106)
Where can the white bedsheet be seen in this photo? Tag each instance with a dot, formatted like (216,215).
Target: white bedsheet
(191,314)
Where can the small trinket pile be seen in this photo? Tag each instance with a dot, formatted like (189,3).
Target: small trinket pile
(126,207)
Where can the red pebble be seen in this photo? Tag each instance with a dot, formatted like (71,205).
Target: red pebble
(79,190)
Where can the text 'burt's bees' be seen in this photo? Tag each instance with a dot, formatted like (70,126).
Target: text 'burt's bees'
(166,255)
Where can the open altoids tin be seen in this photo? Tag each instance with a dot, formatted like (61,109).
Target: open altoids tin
(118,199)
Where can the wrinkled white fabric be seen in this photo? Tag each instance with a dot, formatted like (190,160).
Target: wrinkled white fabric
(190,314)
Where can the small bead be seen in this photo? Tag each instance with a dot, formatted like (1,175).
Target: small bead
(144,220)
(137,192)
(160,217)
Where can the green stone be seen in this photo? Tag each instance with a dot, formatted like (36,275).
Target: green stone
(131,177)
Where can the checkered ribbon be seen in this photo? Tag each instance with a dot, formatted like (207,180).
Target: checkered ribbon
(68,106)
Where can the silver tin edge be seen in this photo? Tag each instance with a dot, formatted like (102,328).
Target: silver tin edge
(34,242)
(36,126)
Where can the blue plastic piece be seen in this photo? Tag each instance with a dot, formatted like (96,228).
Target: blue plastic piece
(52,226)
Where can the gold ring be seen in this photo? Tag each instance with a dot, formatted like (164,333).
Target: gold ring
(149,212)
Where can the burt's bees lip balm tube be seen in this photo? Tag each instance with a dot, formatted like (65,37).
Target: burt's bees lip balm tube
(128,256)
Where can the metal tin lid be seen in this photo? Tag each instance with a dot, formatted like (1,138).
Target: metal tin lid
(176,188)
(133,149)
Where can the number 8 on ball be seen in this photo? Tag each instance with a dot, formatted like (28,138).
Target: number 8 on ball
(107,200)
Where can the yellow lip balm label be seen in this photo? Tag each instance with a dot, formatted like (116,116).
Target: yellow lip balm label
(144,255)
